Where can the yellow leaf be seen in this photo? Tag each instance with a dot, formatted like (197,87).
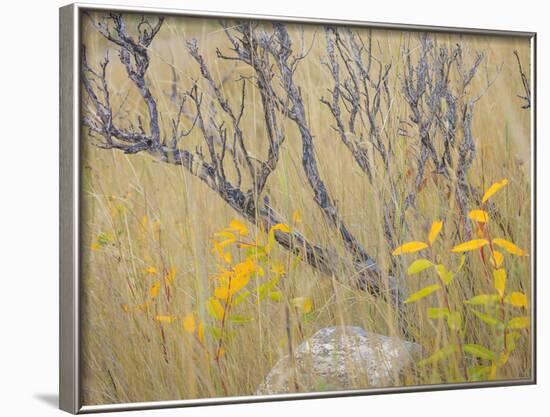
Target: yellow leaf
(221,292)
(509,247)
(496,259)
(493,189)
(480,216)
(125,307)
(245,245)
(242,273)
(154,290)
(165,319)
(239,282)
(434,231)
(517,299)
(271,235)
(143,307)
(418,266)
(95,246)
(308,305)
(170,276)
(303,303)
(470,245)
(278,269)
(493,372)
(503,358)
(500,281)
(226,235)
(227,257)
(409,247)
(424,292)
(200,332)
(296,217)
(215,308)
(239,227)
(220,245)
(189,323)
(519,323)
(150,270)
(281,227)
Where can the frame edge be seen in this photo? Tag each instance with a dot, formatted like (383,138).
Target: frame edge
(68,216)
(69,164)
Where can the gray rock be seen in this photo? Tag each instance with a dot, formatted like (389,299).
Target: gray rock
(341,358)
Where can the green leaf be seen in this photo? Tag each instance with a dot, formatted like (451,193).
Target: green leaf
(483,299)
(309,317)
(418,266)
(446,276)
(454,321)
(490,320)
(424,292)
(216,333)
(479,373)
(439,355)
(240,319)
(276,296)
(264,289)
(240,298)
(519,323)
(479,351)
(104,239)
(511,338)
(256,252)
(462,260)
(438,313)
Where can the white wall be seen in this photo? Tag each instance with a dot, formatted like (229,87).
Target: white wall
(28,204)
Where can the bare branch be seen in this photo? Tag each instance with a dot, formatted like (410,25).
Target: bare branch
(525,82)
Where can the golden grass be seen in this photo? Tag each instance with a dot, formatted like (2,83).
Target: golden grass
(154,214)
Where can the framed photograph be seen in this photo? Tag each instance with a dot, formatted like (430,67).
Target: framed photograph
(259,208)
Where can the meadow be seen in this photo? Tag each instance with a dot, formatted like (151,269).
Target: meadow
(184,297)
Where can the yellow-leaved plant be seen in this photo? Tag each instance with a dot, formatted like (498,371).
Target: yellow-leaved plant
(243,260)
(498,308)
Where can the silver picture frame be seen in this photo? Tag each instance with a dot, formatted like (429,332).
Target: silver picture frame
(70,214)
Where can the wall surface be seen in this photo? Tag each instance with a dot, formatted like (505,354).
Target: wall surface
(29,209)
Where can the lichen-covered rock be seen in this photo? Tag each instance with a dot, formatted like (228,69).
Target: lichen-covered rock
(340,358)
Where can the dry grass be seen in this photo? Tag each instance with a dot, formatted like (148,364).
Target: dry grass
(155,214)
